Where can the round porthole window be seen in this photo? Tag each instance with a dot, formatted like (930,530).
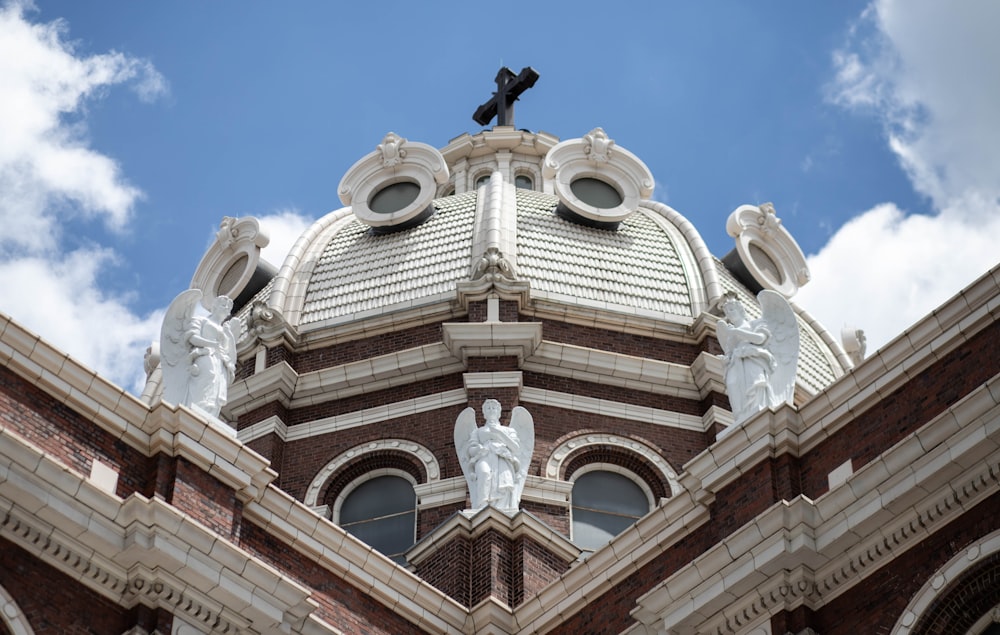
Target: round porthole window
(598,182)
(394,197)
(392,188)
(765,254)
(596,192)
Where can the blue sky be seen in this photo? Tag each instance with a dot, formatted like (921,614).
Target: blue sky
(129,129)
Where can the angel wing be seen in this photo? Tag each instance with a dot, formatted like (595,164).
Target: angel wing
(524,426)
(174,349)
(465,425)
(780,320)
(230,344)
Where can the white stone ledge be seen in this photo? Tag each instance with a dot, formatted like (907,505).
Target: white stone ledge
(609,408)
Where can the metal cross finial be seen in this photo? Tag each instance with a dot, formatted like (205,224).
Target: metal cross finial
(509,88)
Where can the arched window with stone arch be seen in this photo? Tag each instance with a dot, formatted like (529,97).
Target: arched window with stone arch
(616,480)
(369,491)
(380,508)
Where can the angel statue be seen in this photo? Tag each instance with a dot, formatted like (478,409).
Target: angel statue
(495,458)
(198,353)
(761,356)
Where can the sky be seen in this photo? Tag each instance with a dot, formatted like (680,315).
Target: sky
(128,130)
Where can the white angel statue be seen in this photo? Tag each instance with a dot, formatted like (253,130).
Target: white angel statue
(198,353)
(495,458)
(761,356)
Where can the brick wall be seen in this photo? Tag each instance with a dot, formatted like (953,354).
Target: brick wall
(621,343)
(68,437)
(206,499)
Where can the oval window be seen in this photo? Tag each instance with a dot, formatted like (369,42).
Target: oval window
(394,197)
(596,192)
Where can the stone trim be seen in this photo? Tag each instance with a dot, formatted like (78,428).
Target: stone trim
(11,615)
(941,580)
(617,409)
(588,364)
(553,466)
(420,452)
(354,419)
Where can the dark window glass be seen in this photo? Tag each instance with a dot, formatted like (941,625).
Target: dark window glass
(523,182)
(393,198)
(382,512)
(604,505)
(596,192)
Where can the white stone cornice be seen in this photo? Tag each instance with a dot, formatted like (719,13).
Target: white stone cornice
(94,398)
(655,324)
(274,383)
(500,379)
(610,408)
(492,339)
(709,374)
(903,359)
(177,431)
(293,390)
(127,549)
(376,414)
(338,382)
(887,506)
(272,425)
(627,371)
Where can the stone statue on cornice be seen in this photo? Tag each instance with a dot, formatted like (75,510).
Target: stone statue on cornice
(761,356)
(495,458)
(198,353)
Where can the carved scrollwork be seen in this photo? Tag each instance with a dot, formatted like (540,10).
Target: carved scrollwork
(493,264)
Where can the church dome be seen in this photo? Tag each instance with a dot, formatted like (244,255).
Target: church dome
(493,215)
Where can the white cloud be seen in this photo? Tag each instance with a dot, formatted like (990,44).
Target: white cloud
(283,228)
(48,174)
(59,298)
(925,69)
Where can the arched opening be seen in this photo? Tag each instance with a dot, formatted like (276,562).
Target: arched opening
(381,510)
(604,504)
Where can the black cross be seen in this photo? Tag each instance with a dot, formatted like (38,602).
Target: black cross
(509,88)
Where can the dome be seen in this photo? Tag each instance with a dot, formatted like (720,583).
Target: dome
(466,237)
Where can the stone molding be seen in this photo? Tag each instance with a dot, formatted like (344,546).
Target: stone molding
(137,549)
(492,339)
(420,452)
(553,466)
(12,616)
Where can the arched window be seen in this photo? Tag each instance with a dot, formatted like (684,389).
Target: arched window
(381,511)
(605,503)
(482,179)
(524,182)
